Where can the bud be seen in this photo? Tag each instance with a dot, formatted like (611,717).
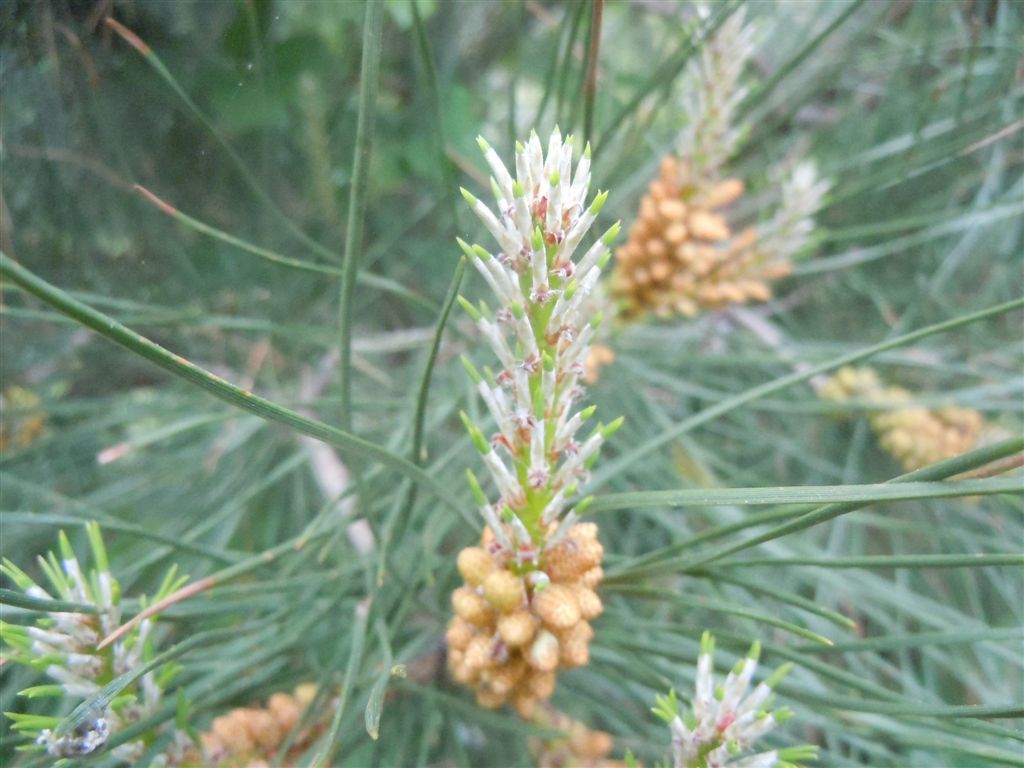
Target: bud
(726,192)
(232,731)
(525,704)
(471,606)
(722,719)
(590,604)
(590,745)
(571,558)
(265,730)
(542,685)
(503,679)
(479,653)
(504,591)
(517,628)
(574,653)
(682,254)
(475,565)
(557,607)
(305,693)
(539,580)
(543,654)
(458,634)
(592,577)
(461,671)
(489,699)
(586,530)
(285,709)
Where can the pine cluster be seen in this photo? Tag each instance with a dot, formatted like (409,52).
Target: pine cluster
(913,435)
(67,643)
(682,255)
(725,719)
(513,630)
(525,608)
(253,736)
(579,747)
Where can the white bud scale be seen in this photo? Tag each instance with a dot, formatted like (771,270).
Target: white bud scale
(545,325)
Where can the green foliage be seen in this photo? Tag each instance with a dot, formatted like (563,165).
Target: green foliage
(731,497)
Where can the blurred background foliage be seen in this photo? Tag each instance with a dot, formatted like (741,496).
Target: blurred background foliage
(911,109)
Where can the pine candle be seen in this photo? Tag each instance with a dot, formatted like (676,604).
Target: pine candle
(529,593)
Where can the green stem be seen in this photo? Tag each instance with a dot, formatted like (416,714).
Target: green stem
(357,197)
(937,471)
(428,369)
(807,494)
(668,560)
(971,560)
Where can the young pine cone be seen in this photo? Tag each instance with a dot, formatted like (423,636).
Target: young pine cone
(682,256)
(514,628)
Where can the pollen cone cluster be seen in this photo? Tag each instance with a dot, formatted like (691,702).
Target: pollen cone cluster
(682,256)
(524,609)
(248,737)
(514,629)
(580,747)
(913,435)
